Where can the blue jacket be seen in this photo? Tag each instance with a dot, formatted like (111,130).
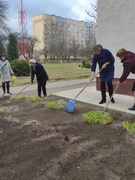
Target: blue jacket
(106,74)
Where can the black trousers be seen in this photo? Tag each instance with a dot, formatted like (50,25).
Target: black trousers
(42,86)
(6,85)
(103,89)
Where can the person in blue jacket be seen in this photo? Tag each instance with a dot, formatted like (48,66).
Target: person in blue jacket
(105,60)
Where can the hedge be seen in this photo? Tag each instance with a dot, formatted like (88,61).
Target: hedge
(20,67)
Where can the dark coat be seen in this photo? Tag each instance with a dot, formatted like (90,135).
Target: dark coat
(106,74)
(40,73)
(128,66)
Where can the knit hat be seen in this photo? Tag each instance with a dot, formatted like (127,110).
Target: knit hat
(32,61)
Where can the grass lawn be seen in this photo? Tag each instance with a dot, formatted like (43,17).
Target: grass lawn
(60,71)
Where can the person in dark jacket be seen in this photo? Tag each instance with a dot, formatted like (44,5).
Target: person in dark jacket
(105,60)
(128,60)
(38,70)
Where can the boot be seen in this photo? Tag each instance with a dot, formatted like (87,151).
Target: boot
(112,100)
(103,100)
(103,93)
(4,88)
(132,108)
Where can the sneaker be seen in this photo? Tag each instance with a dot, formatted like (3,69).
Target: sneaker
(102,101)
(9,93)
(112,100)
(132,108)
(3,94)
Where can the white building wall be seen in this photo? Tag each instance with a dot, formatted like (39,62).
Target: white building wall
(116,27)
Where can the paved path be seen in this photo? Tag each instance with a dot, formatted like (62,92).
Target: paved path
(92,96)
(50,85)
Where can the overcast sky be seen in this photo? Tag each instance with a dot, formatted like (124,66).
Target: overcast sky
(74,9)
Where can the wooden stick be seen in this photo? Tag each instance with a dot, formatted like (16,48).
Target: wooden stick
(111,98)
(88,83)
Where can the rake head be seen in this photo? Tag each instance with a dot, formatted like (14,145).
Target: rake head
(70,106)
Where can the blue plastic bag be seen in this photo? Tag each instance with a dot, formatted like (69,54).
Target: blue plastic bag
(70,106)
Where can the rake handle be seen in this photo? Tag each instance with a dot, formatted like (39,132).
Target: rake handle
(111,98)
(20,91)
(83,89)
(88,83)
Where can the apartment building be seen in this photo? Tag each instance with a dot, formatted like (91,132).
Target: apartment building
(45,25)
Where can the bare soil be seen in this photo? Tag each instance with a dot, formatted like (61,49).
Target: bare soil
(37,143)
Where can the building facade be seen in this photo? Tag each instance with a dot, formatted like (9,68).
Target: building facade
(47,26)
(116,30)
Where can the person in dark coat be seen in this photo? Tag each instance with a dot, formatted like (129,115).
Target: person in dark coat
(128,60)
(105,60)
(38,70)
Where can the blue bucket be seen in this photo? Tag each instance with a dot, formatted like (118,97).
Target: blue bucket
(70,106)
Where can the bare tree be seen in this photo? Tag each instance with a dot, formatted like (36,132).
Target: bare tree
(50,39)
(60,43)
(29,45)
(3,17)
(62,46)
(75,48)
(55,41)
(93,15)
(44,52)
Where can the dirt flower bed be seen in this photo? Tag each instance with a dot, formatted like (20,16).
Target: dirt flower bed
(37,143)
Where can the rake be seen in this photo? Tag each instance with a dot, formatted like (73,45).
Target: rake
(9,100)
(110,98)
(70,105)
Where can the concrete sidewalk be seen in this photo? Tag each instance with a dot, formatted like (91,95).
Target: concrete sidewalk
(92,96)
(50,85)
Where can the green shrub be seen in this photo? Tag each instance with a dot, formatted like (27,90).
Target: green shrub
(130,127)
(33,99)
(19,97)
(30,122)
(80,65)
(88,65)
(96,116)
(30,99)
(54,105)
(83,62)
(20,67)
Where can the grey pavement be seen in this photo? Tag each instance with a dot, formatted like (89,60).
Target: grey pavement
(50,85)
(92,96)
